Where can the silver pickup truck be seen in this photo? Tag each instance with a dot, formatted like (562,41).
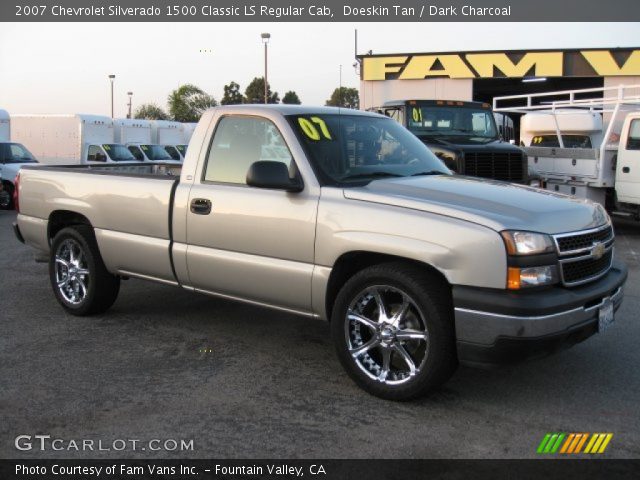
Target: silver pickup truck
(339,215)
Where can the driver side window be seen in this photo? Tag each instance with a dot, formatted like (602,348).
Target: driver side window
(238,142)
(633,143)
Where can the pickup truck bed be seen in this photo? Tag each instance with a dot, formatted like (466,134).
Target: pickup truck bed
(130,208)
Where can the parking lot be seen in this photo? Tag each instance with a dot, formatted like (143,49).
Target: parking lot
(244,382)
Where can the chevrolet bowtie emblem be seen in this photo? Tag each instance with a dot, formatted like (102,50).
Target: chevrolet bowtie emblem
(598,250)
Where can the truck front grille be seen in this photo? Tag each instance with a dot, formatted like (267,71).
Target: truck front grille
(584,240)
(585,256)
(582,271)
(496,165)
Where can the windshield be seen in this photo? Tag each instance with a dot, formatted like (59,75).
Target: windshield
(17,153)
(452,121)
(118,153)
(352,149)
(173,152)
(155,152)
(569,141)
(182,149)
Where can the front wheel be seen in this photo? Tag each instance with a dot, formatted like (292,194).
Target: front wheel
(6,197)
(79,278)
(392,326)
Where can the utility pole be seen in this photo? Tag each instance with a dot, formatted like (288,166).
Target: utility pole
(340,85)
(111,79)
(265,39)
(130,96)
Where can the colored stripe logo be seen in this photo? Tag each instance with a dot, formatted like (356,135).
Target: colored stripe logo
(572,443)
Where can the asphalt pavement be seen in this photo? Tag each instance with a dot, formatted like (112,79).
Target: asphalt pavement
(244,382)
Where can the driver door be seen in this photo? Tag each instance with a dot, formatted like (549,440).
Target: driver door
(628,166)
(246,242)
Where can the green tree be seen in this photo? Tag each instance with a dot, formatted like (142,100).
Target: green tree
(344,97)
(188,102)
(232,95)
(291,97)
(150,111)
(255,92)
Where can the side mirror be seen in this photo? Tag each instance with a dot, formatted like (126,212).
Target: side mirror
(272,175)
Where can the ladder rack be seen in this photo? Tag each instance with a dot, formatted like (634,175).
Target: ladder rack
(610,100)
(604,99)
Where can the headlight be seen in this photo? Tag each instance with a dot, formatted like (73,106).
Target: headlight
(518,278)
(527,243)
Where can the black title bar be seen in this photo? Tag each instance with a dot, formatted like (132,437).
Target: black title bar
(319,469)
(320,11)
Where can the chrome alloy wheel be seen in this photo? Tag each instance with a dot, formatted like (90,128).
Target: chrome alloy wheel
(387,334)
(72,273)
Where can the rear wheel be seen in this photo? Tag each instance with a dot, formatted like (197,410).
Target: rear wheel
(393,331)
(79,278)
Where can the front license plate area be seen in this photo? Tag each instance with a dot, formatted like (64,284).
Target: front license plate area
(605,315)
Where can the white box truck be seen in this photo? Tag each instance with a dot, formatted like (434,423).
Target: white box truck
(12,157)
(584,143)
(168,134)
(187,133)
(137,136)
(4,126)
(69,139)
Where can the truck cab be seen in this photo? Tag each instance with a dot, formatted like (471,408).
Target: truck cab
(464,135)
(628,165)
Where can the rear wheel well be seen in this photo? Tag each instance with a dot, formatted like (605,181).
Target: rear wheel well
(64,218)
(348,264)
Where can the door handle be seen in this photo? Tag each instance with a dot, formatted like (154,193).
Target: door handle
(625,169)
(200,206)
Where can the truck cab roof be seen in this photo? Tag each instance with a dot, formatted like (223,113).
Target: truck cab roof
(289,110)
(437,103)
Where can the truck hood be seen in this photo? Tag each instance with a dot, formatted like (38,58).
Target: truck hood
(469,143)
(496,205)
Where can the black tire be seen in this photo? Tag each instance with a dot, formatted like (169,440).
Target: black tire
(100,287)
(6,196)
(428,317)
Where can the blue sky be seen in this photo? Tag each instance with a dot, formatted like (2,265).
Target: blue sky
(63,67)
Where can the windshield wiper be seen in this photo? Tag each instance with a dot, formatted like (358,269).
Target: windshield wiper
(429,172)
(370,174)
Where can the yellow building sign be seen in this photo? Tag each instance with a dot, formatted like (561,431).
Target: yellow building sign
(574,63)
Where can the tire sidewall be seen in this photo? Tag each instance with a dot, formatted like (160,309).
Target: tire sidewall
(438,322)
(72,233)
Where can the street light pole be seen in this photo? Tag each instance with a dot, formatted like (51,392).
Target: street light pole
(130,96)
(340,85)
(265,39)
(111,79)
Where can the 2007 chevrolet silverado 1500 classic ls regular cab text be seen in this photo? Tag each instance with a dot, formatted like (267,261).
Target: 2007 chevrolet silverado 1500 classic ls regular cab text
(342,215)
